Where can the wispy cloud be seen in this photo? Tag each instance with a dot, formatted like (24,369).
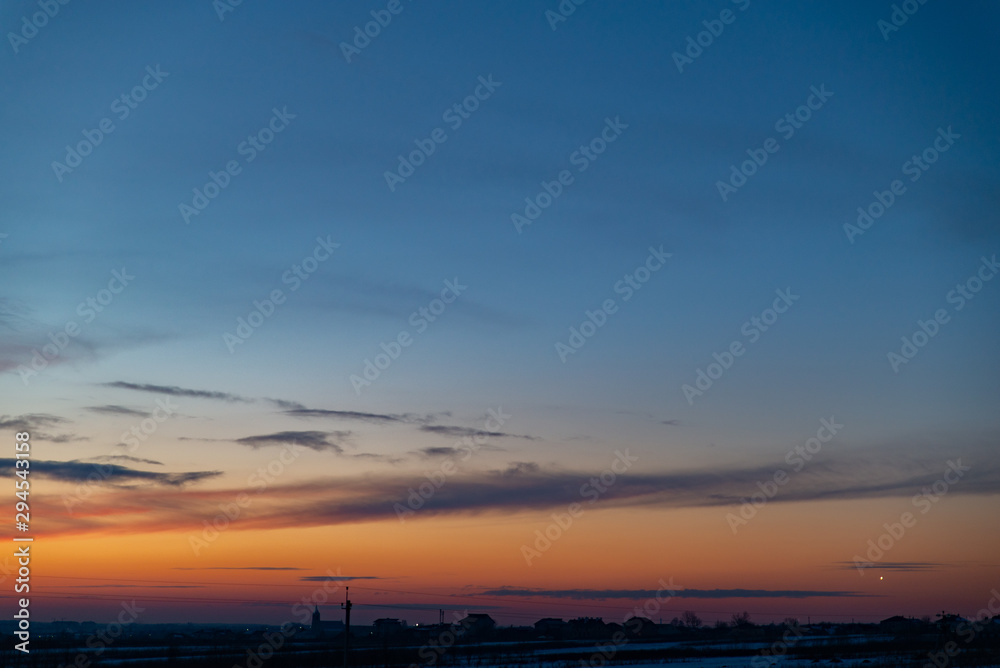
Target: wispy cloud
(358,295)
(462,432)
(314,440)
(532,487)
(901,566)
(520,469)
(14,314)
(128,586)
(60,438)
(377,418)
(175,391)
(31,421)
(440,451)
(301,411)
(18,349)
(124,458)
(330,441)
(38,424)
(337,578)
(115,409)
(638,594)
(240,568)
(110,474)
(289,407)
(286,404)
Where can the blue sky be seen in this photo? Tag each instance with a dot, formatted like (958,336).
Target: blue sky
(655,186)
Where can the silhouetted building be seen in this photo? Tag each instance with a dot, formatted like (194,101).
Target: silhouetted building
(478,625)
(951,623)
(641,627)
(552,627)
(320,628)
(386,627)
(899,625)
(668,630)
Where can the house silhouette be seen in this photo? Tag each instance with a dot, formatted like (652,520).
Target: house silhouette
(478,625)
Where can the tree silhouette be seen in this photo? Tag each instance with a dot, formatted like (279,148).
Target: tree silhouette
(691,620)
(741,619)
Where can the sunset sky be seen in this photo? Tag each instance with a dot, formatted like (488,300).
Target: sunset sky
(395,304)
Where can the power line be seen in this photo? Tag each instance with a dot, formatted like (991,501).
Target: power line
(505,599)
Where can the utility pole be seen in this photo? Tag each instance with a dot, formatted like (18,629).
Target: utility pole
(346,606)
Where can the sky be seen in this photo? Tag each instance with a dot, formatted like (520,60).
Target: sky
(528,308)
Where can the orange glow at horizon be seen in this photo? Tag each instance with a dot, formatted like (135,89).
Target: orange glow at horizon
(443,557)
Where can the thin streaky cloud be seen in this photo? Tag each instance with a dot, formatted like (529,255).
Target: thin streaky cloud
(115,409)
(37,424)
(376,418)
(528,487)
(463,432)
(314,440)
(337,578)
(901,566)
(638,594)
(176,391)
(125,458)
(30,421)
(239,568)
(110,474)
